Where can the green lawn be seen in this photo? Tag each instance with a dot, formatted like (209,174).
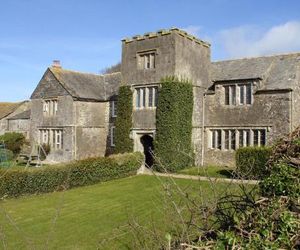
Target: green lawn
(209,171)
(80,218)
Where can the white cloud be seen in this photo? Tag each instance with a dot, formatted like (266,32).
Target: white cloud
(253,41)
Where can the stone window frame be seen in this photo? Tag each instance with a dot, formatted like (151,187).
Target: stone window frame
(112,136)
(50,107)
(234,91)
(141,96)
(146,59)
(52,137)
(218,136)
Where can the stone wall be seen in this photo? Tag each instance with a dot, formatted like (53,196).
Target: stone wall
(270,110)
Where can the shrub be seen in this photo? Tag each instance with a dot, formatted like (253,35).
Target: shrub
(283,180)
(251,162)
(61,177)
(13,141)
(124,121)
(173,140)
(6,155)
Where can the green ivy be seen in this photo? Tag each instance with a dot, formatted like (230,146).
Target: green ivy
(173,141)
(124,121)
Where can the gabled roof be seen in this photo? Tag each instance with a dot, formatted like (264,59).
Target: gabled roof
(21,116)
(88,86)
(6,108)
(276,72)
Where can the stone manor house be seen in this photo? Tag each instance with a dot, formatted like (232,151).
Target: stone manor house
(237,103)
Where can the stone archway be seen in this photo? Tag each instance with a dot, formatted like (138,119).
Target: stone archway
(147,142)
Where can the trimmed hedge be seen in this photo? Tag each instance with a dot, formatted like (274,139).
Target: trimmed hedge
(173,140)
(251,162)
(13,141)
(17,182)
(123,143)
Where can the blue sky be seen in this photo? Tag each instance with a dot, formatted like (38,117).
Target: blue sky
(85,35)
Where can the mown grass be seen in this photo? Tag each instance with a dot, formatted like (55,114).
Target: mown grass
(209,171)
(82,217)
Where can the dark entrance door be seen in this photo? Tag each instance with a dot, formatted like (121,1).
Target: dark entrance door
(147,142)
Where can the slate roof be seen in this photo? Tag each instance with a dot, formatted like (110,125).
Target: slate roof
(88,86)
(6,108)
(23,115)
(276,72)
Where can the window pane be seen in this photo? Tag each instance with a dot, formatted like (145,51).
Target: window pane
(233,95)
(138,98)
(262,137)
(248,94)
(247,137)
(241,138)
(255,138)
(226,95)
(242,94)
(150,99)
(152,61)
(232,135)
(143,97)
(213,139)
(219,139)
(226,143)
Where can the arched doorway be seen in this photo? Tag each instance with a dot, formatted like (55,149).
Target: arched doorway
(147,142)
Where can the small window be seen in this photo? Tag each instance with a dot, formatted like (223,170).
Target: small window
(146,60)
(238,94)
(52,137)
(50,107)
(113,108)
(112,136)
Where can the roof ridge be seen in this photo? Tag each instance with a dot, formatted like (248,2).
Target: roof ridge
(265,56)
(74,71)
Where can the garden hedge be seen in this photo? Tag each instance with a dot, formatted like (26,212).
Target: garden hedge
(173,140)
(17,182)
(251,162)
(123,143)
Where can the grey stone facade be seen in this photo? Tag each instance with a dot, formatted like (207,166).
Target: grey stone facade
(237,103)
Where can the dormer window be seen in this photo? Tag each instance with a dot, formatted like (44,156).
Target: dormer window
(146,60)
(238,94)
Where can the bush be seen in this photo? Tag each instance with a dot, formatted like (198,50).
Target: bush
(13,141)
(124,121)
(6,155)
(251,162)
(173,140)
(61,177)
(283,180)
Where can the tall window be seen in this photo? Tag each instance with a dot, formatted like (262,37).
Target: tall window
(216,139)
(113,108)
(238,94)
(231,139)
(52,137)
(146,97)
(50,107)
(146,60)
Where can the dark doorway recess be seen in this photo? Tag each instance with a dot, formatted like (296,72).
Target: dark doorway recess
(147,142)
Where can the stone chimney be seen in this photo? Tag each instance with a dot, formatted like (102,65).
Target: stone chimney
(56,64)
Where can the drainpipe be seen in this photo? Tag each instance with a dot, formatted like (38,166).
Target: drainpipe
(291,112)
(202,135)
